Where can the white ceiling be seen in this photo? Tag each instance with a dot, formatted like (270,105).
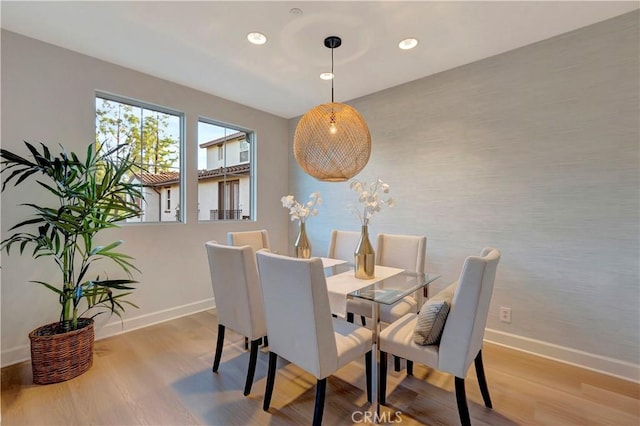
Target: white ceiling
(203,44)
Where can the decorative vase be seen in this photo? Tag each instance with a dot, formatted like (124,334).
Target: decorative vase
(302,245)
(56,357)
(364,256)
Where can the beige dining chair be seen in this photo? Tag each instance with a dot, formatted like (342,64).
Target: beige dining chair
(304,332)
(460,343)
(257,240)
(236,288)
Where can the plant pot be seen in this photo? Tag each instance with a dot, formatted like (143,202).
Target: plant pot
(63,356)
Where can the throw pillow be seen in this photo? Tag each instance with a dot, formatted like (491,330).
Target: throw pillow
(431,320)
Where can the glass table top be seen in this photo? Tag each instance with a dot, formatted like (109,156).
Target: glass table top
(392,289)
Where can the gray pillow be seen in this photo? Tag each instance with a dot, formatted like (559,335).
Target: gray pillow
(431,320)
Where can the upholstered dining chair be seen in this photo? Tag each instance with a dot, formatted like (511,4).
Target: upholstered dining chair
(467,303)
(236,288)
(397,251)
(256,239)
(303,332)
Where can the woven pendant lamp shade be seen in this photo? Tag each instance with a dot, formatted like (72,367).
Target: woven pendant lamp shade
(332,142)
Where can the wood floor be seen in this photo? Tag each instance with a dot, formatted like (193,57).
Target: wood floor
(161,375)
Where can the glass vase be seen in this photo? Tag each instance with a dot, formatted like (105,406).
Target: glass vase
(364,256)
(302,245)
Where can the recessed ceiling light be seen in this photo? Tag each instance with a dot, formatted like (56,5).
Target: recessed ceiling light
(408,43)
(257,38)
(326,76)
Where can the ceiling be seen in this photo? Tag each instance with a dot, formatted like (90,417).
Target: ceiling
(203,44)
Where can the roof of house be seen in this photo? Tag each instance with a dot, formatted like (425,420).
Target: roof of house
(228,138)
(168,178)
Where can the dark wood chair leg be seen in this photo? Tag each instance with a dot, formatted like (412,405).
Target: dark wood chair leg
(461,398)
(482,380)
(246,343)
(253,358)
(396,363)
(318,411)
(368,361)
(219,344)
(409,367)
(363,320)
(350,317)
(271,379)
(382,379)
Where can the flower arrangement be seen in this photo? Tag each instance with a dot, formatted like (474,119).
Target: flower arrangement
(369,196)
(302,211)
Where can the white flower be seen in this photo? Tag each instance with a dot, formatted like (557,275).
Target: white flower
(302,212)
(368,196)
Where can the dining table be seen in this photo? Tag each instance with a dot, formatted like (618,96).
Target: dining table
(387,286)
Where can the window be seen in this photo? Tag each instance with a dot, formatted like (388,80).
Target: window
(225,172)
(153,135)
(244,151)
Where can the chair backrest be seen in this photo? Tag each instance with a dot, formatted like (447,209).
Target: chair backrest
(464,329)
(236,288)
(343,245)
(256,239)
(401,251)
(297,312)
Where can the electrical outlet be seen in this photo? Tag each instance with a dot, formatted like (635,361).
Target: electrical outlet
(505,314)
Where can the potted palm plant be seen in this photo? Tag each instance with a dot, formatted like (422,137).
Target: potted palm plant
(88,196)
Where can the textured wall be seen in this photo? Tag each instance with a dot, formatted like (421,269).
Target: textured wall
(48,95)
(534,151)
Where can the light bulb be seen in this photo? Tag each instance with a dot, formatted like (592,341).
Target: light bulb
(332,128)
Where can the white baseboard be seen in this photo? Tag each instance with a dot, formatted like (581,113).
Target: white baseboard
(601,364)
(23,352)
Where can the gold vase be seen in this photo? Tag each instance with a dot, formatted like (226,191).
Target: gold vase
(302,245)
(364,256)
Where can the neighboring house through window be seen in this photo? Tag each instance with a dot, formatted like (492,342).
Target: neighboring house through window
(225,183)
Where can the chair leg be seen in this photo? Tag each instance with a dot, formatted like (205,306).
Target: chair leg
(461,398)
(266,341)
(271,379)
(382,379)
(246,343)
(368,361)
(396,363)
(253,358)
(350,317)
(482,380)
(219,344)
(318,411)
(363,320)
(409,368)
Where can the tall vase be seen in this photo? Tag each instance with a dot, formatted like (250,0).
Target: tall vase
(364,256)
(302,245)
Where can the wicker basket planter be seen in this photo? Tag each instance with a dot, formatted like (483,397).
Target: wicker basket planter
(59,357)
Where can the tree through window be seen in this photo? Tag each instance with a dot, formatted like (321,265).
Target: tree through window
(153,136)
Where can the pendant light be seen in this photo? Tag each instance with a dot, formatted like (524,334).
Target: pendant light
(332,141)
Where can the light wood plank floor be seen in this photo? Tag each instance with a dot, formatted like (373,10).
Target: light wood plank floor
(161,375)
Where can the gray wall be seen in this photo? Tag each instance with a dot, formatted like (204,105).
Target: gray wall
(48,95)
(535,152)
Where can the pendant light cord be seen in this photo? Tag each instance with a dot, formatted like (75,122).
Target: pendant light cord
(333,76)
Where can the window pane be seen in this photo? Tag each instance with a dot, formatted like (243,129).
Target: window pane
(153,138)
(224,172)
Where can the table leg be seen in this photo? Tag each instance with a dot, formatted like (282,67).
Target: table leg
(375,371)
